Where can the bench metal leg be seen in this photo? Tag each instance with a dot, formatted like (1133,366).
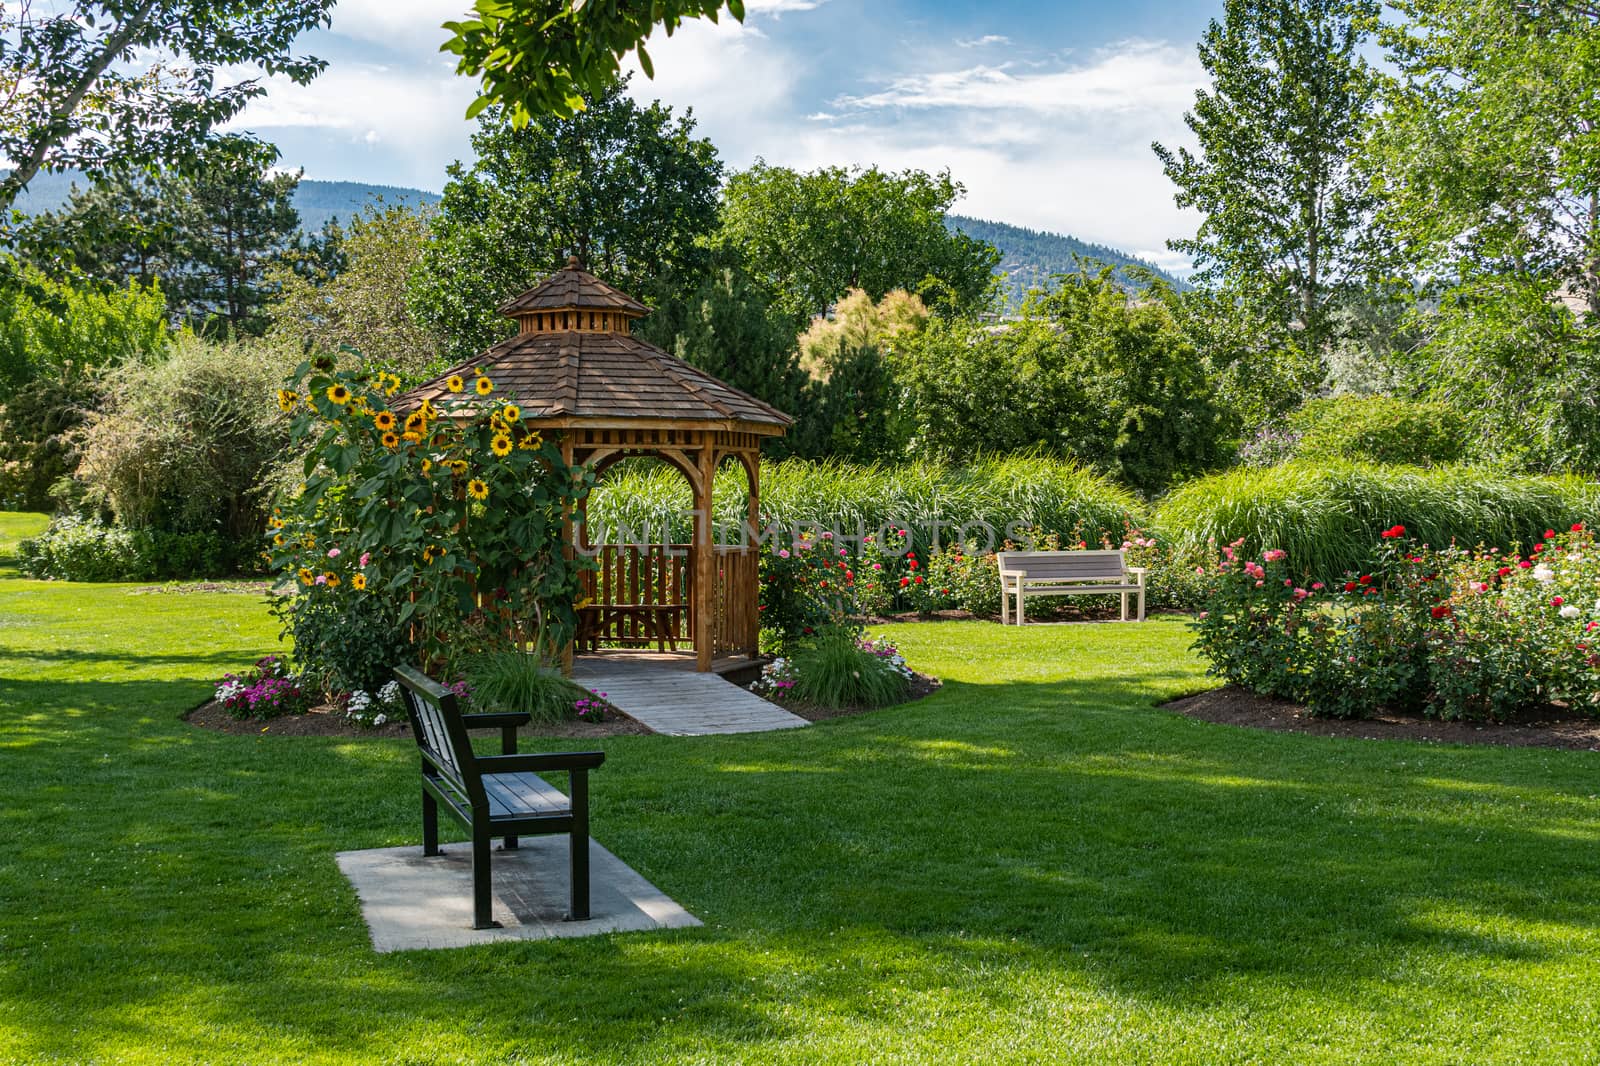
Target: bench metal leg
(482,882)
(430,824)
(579,846)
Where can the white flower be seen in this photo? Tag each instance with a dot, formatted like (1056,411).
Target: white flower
(390,693)
(228,690)
(359,702)
(382,719)
(1543,574)
(1570,611)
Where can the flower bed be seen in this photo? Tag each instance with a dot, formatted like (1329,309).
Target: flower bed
(1477,634)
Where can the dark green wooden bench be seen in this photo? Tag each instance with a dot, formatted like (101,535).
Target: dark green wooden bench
(494,795)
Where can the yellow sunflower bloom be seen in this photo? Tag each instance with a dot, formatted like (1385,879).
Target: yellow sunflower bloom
(277,541)
(484,386)
(511,413)
(359,582)
(333,579)
(427,465)
(390,439)
(310,541)
(454,383)
(307,577)
(287,399)
(427,555)
(458,465)
(531,441)
(338,394)
(500,445)
(414,438)
(477,489)
(384,419)
(415,423)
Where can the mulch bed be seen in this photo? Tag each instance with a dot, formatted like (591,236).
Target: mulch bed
(921,685)
(1556,727)
(328,721)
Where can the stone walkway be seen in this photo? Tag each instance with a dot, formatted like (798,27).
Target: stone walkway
(678,702)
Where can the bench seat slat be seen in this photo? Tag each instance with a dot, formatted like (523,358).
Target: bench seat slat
(523,795)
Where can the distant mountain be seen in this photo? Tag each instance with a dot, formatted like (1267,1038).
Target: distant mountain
(1028,257)
(317,201)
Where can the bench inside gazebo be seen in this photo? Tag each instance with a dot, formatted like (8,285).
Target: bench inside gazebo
(580,376)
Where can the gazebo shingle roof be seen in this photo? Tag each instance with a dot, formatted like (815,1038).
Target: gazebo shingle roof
(555,372)
(573,287)
(601,376)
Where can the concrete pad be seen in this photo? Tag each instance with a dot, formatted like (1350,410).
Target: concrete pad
(410,901)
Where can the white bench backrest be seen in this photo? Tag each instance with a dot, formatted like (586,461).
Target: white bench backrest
(1064,565)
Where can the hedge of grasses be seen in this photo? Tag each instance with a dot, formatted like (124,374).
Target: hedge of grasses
(1049,495)
(1327,515)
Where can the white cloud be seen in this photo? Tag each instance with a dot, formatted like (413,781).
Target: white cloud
(985,41)
(413,25)
(779,7)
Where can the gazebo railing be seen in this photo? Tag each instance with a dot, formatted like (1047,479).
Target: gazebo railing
(641,596)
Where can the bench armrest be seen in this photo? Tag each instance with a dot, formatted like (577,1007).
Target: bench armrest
(554,760)
(496,721)
(1138,569)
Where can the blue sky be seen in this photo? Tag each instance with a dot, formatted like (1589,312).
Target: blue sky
(1044,110)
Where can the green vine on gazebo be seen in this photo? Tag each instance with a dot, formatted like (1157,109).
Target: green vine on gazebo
(453,512)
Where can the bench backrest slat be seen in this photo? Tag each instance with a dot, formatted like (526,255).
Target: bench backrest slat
(439,731)
(1065,565)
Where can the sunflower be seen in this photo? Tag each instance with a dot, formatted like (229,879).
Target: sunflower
(287,399)
(483,385)
(454,383)
(458,465)
(427,555)
(333,579)
(338,394)
(277,541)
(384,419)
(511,413)
(500,445)
(531,441)
(427,465)
(359,582)
(414,438)
(415,423)
(390,439)
(477,489)
(389,383)
(309,541)
(275,523)
(307,577)
(428,410)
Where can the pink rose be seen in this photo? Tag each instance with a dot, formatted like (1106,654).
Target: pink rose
(333,553)
(366,557)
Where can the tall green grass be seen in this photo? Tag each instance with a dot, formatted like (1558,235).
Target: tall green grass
(1048,494)
(1327,516)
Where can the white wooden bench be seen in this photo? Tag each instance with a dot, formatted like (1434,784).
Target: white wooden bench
(1067,573)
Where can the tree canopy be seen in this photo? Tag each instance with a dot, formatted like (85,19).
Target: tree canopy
(810,237)
(122,84)
(550,57)
(629,189)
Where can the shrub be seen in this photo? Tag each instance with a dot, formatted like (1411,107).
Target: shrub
(343,643)
(1327,515)
(80,549)
(515,681)
(1470,634)
(184,445)
(806,585)
(1378,429)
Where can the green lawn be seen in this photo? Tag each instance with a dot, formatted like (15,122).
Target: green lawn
(1034,864)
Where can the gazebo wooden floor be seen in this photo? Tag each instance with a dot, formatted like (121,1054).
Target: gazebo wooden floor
(663,692)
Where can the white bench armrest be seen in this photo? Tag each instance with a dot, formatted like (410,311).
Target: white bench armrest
(1138,569)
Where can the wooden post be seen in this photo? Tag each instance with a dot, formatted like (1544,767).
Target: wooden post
(568,548)
(705,558)
(753,592)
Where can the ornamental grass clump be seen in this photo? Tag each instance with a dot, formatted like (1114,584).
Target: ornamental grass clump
(1475,634)
(513,681)
(836,669)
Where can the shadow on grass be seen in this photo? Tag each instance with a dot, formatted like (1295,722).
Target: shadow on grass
(972,850)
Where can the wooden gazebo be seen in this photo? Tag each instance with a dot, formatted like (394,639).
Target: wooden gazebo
(579,376)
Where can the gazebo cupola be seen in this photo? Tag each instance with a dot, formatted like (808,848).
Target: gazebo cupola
(578,374)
